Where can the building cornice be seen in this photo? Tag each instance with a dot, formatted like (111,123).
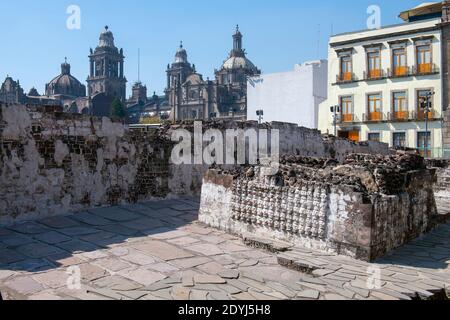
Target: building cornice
(383,36)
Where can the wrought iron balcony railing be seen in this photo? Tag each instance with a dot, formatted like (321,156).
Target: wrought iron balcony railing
(376,74)
(345,77)
(425,69)
(399,72)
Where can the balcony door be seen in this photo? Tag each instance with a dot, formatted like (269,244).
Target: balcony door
(424,58)
(399,62)
(374,64)
(347,109)
(346,68)
(374,106)
(422,98)
(400,106)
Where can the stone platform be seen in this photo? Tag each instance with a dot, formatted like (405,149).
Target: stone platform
(363,208)
(157,250)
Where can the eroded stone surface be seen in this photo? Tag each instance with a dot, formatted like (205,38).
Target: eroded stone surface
(164,266)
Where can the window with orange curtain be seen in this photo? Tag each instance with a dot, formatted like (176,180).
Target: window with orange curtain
(424,59)
(400,105)
(399,62)
(421,98)
(374,64)
(347,109)
(374,104)
(346,68)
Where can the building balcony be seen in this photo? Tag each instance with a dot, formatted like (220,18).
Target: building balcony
(399,72)
(345,77)
(347,119)
(425,69)
(374,117)
(376,74)
(399,116)
(420,115)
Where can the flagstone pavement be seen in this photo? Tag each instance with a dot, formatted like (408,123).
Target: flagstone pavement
(157,250)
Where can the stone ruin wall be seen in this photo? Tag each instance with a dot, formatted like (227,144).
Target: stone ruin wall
(295,140)
(53,163)
(442,188)
(363,214)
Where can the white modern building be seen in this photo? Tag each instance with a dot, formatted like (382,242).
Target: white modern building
(382,78)
(292,96)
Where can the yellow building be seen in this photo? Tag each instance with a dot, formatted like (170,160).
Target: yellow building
(383,78)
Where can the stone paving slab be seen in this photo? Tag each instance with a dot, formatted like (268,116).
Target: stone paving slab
(148,252)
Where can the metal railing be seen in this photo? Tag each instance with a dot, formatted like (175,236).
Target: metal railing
(374,117)
(345,77)
(374,75)
(425,69)
(435,153)
(399,72)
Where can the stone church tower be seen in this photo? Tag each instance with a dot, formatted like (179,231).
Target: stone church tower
(191,97)
(106,69)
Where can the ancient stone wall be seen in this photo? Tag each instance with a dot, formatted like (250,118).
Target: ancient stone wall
(52,162)
(293,140)
(363,209)
(442,190)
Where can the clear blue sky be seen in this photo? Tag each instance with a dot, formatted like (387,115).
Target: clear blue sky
(277,33)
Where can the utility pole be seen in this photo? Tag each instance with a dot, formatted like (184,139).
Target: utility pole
(260,114)
(335,110)
(427,108)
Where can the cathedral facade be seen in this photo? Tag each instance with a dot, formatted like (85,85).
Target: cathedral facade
(191,97)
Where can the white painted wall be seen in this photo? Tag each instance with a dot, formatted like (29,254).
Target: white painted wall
(292,96)
(360,89)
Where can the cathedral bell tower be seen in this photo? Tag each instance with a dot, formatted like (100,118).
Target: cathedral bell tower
(177,74)
(106,69)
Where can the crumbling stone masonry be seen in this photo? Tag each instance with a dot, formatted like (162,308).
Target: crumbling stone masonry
(362,208)
(442,188)
(54,163)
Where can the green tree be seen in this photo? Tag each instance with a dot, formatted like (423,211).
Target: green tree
(117,109)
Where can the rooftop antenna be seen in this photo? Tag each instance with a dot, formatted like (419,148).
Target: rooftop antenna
(139,65)
(318,41)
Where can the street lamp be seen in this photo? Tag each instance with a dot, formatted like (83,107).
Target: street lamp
(260,114)
(335,110)
(425,105)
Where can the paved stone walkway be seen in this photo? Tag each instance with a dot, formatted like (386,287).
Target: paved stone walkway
(156,250)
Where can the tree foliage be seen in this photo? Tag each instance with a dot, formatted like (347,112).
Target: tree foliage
(117,109)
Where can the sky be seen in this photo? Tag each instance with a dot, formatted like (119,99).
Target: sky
(34,38)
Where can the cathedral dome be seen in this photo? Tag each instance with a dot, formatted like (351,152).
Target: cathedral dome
(106,39)
(234,63)
(65,84)
(181,55)
(237,58)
